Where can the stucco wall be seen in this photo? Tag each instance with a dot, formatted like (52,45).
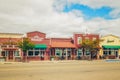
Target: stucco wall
(109,40)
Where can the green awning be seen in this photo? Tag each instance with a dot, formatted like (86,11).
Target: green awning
(111,47)
(41,46)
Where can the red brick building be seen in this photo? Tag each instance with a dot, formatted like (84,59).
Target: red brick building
(41,50)
(62,48)
(9,51)
(78,39)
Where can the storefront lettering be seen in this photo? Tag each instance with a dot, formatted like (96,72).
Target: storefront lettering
(109,41)
(36,38)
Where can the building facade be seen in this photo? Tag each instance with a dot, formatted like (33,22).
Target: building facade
(41,49)
(47,48)
(57,48)
(62,48)
(9,50)
(110,47)
(81,52)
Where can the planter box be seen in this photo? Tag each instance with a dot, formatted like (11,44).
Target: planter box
(111,57)
(18,59)
(52,59)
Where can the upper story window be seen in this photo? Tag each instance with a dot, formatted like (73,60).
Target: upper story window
(87,39)
(94,38)
(79,40)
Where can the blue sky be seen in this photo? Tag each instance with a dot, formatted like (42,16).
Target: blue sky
(89,13)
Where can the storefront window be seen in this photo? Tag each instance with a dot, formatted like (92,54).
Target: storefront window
(58,52)
(36,53)
(16,53)
(112,52)
(87,52)
(79,52)
(3,53)
(109,51)
(30,53)
(105,52)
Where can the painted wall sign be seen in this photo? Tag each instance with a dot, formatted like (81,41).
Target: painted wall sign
(36,38)
(110,41)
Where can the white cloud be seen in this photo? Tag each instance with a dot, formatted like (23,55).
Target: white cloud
(29,15)
(115,5)
(104,26)
(115,13)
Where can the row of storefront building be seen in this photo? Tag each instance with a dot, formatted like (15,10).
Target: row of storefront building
(57,48)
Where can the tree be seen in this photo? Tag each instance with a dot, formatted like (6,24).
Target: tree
(25,45)
(91,45)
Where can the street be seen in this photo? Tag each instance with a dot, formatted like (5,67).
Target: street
(60,70)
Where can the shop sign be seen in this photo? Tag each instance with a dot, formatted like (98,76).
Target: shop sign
(36,38)
(110,41)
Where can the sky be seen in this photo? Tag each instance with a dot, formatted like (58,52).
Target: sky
(60,18)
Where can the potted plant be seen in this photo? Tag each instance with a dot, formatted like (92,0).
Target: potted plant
(52,58)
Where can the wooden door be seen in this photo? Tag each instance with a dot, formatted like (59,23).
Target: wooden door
(10,55)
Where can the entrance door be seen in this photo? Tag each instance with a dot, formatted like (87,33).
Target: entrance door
(69,55)
(10,55)
(116,54)
(42,54)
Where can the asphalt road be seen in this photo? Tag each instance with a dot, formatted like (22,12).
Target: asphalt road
(60,70)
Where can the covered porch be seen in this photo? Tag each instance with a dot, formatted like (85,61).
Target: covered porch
(62,50)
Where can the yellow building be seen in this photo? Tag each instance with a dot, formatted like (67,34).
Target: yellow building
(110,46)
(11,35)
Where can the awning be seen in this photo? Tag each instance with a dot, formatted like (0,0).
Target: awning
(111,47)
(41,46)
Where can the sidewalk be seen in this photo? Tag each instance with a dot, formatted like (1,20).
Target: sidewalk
(67,61)
(10,62)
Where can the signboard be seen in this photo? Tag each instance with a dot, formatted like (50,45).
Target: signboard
(36,38)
